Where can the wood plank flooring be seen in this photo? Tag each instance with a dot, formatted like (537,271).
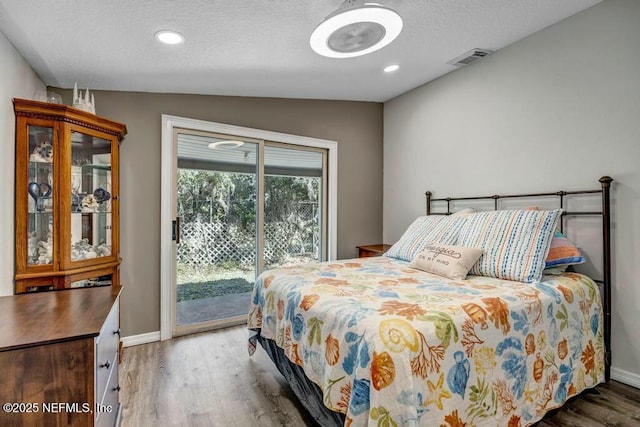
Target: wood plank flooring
(208,379)
(205,379)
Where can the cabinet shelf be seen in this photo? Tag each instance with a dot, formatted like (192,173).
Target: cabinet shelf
(98,167)
(92,213)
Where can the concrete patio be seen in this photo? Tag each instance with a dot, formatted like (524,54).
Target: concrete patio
(214,308)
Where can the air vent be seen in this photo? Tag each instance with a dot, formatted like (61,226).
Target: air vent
(470,57)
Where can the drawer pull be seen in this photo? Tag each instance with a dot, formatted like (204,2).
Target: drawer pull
(117,331)
(117,388)
(106,364)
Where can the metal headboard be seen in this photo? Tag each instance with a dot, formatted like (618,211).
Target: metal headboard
(605,190)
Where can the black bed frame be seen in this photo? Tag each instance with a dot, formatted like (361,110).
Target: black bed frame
(605,182)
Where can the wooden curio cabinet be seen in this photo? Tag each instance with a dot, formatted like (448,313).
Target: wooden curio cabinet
(67,197)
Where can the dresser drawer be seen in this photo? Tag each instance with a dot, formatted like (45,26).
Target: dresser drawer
(366,251)
(107,410)
(106,348)
(366,254)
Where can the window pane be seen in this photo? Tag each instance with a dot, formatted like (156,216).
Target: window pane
(292,206)
(217,206)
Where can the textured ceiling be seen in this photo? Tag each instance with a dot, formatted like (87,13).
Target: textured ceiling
(256,47)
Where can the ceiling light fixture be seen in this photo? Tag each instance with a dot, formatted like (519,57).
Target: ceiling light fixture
(225,145)
(356,28)
(169,37)
(391,68)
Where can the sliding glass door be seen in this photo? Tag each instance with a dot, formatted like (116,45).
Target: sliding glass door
(241,206)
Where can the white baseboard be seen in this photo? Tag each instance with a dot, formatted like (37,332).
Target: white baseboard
(629,378)
(132,340)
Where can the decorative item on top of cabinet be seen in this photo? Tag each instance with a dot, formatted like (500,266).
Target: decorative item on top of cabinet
(67,197)
(83,103)
(372,250)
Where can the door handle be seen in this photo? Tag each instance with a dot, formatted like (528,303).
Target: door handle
(175,230)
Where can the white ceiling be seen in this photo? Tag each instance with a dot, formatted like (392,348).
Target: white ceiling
(256,47)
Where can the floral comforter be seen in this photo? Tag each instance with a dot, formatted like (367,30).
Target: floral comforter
(393,346)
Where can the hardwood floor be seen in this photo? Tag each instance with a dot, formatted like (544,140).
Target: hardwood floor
(205,379)
(614,404)
(208,379)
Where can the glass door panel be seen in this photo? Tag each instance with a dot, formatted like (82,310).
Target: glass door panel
(91,192)
(294,185)
(217,205)
(40,201)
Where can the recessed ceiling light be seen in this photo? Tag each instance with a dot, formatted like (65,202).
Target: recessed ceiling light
(169,37)
(356,28)
(391,68)
(226,145)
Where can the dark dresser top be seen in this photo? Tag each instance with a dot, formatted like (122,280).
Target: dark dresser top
(28,320)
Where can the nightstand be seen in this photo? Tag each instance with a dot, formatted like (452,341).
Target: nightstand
(372,250)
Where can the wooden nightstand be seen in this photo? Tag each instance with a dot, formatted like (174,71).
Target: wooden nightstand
(372,250)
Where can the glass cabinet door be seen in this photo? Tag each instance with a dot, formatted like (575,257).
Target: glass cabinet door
(40,199)
(91,197)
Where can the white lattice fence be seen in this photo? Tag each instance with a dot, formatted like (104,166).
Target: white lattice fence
(213,243)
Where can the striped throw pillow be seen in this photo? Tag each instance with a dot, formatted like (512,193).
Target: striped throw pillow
(515,243)
(425,230)
(562,252)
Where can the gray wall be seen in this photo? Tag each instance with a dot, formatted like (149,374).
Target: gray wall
(356,126)
(553,111)
(17,80)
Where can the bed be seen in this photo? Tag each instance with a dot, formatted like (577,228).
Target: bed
(374,342)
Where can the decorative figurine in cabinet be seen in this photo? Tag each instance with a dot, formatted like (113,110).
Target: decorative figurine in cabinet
(67,197)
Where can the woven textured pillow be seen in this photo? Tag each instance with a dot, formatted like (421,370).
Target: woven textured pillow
(515,243)
(425,230)
(453,262)
(563,252)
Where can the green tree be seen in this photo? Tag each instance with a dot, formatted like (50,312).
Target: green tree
(203,195)
(229,199)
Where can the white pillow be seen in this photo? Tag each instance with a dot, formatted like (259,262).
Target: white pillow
(463,213)
(449,261)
